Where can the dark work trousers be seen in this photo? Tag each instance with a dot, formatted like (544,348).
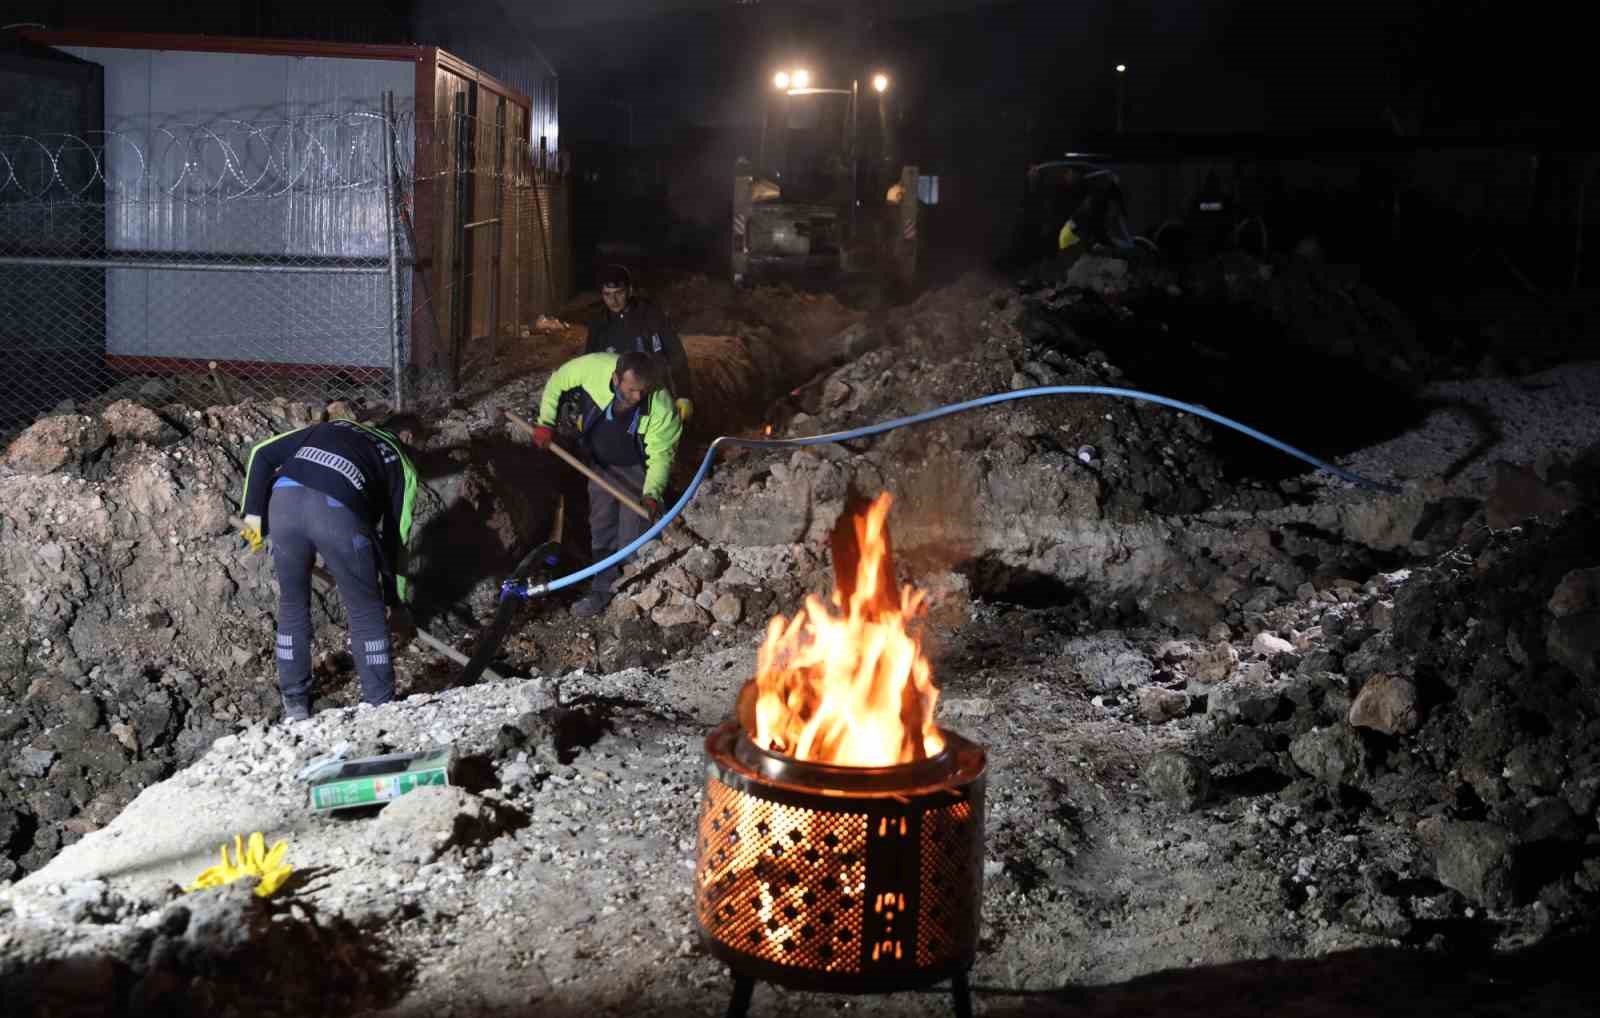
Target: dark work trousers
(306,523)
(613,525)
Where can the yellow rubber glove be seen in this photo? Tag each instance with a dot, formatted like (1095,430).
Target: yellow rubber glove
(251,532)
(253,860)
(1068,237)
(685,408)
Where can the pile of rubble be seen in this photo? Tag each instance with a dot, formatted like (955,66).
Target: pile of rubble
(1334,717)
(133,629)
(1454,705)
(129,588)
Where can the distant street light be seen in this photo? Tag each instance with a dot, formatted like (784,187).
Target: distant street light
(880,82)
(801,78)
(780,80)
(1122,93)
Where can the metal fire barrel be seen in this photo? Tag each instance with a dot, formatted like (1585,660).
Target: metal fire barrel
(840,879)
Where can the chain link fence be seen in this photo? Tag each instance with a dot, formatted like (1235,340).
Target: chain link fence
(306,258)
(200,262)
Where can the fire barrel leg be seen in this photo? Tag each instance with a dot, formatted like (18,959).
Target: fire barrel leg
(961,994)
(743,988)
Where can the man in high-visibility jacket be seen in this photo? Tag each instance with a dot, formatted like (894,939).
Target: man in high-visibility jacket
(630,432)
(345,491)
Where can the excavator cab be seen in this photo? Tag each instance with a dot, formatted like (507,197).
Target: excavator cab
(824,195)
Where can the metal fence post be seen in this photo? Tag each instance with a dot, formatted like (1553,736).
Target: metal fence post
(390,197)
(499,233)
(517,314)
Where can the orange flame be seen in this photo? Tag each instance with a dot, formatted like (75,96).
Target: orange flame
(845,682)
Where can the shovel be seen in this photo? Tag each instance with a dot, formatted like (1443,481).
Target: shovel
(582,467)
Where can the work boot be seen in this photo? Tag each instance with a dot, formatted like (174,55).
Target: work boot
(296,708)
(591,605)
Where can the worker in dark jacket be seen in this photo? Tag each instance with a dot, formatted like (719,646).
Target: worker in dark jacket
(630,432)
(345,491)
(628,324)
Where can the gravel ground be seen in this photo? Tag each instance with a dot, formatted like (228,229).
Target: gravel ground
(1479,422)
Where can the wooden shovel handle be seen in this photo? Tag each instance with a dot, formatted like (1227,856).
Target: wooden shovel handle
(582,467)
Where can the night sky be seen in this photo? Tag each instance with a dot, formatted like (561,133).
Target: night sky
(1216,65)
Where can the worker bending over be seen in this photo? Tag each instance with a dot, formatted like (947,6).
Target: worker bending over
(342,490)
(629,433)
(627,324)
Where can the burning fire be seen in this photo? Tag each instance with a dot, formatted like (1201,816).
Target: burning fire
(844,682)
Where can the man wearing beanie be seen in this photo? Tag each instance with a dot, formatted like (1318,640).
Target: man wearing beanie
(627,324)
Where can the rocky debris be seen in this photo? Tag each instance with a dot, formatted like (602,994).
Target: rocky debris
(1097,562)
(123,556)
(34,763)
(1157,704)
(1387,704)
(118,557)
(221,951)
(1573,637)
(1214,664)
(1105,275)
(1473,858)
(428,822)
(1334,756)
(727,609)
(590,841)
(1042,508)
(56,442)
(1188,611)
(1312,306)
(1107,662)
(1445,697)
(1247,699)
(1178,778)
(1519,493)
(129,421)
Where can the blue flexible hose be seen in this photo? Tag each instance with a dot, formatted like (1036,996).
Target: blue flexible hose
(517,588)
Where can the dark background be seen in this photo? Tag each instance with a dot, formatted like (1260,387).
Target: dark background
(1417,66)
(657,97)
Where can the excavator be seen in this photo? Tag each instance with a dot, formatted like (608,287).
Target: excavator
(824,196)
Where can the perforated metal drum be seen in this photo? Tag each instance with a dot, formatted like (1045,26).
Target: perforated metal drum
(843,879)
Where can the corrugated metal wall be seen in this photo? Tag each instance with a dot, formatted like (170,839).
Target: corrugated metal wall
(179,144)
(492,212)
(481,33)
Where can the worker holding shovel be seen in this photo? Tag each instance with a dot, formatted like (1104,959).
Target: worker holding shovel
(342,490)
(629,435)
(627,323)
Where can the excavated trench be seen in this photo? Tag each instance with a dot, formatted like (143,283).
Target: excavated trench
(134,622)
(139,639)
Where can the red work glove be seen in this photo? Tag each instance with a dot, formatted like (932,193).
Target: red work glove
(543,436)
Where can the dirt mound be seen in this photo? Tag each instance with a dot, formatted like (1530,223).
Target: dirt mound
(1458,702)
(1279,345)
(133,623)
(216,952)
(1044,486)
